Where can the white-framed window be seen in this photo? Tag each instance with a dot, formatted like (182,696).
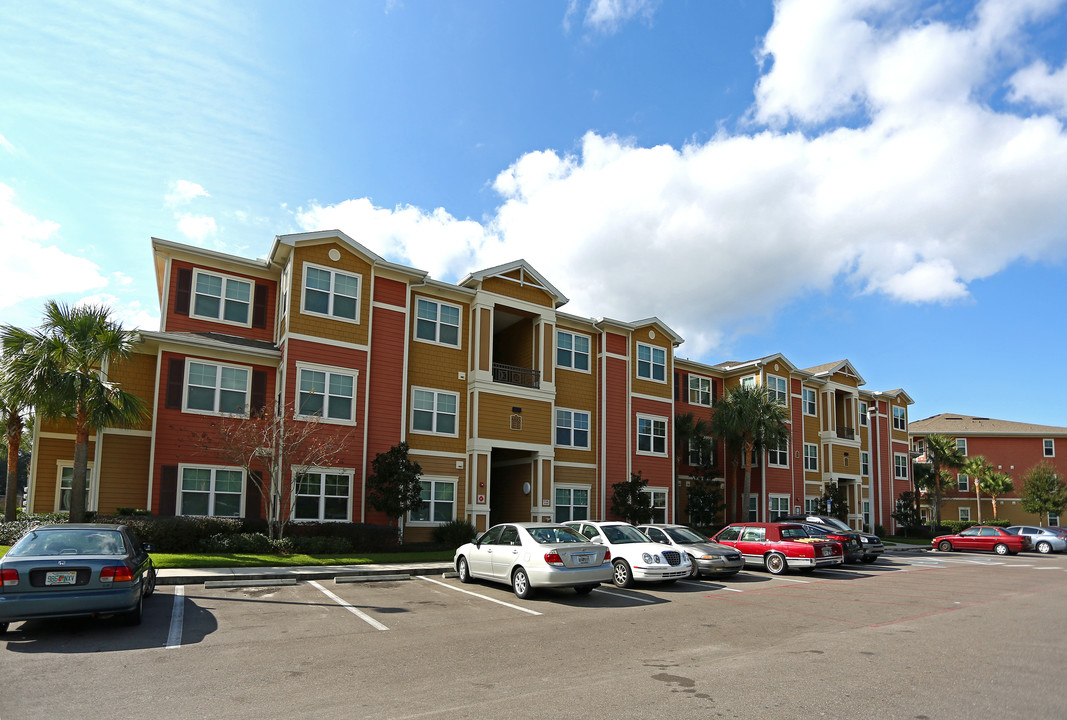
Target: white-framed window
(900,466)
(572,428)
(659,504)
(1053,520)
(651,435)
(210,490)
(572,351)
(863,414)
(331,293)
(811,457)
(753,508)
(965,514)
(866,513)
(900,422)
(222,298)
(438,501)
(216,389)
(748,382)
(283,288)
(1049,447)
(572,503)
(865,462)
(779,455)
(700,391)
(700,449)
(777,506)
(323,494)
(961,445)
(811,504)
(434,412)
(778,389)
(651,363)
(924,514)
(963,483)
(437,322)
(809,403)
(327,393)
(64,482)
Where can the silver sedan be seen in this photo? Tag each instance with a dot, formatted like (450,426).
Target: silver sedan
(1041,539)
(708,558)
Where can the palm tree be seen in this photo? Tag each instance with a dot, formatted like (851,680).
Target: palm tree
(978,469)
(943,455)
(687,428)
(749,420)
(997,484)
(63,365)
(13,405)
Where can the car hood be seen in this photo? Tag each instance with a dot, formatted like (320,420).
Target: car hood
(635,550)
(709,548)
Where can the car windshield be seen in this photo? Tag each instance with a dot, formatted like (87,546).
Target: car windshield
(623,534)
(834,522)
(684,535)
(552,535)
(69,542)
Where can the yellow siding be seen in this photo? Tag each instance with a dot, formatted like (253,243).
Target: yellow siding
(579,476)
(49,451)
(485,340)
(494,419)
(526,292)
(138,376)
(842,464)
(577,391)
(316,325)
(649,387)
(124,470)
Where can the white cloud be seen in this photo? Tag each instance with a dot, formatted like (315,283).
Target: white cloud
(607,16)
(1039,85)
(131,314)
(34,267)
(196,227)
(5,144)
(183,192)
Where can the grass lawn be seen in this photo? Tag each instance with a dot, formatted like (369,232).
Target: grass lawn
(204,560)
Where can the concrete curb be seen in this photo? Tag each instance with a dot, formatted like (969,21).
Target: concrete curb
(251,576)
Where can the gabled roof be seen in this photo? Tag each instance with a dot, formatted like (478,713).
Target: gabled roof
(291,240)
(740,366)
(958,424)
(832,368)
(527,275)
(897,394)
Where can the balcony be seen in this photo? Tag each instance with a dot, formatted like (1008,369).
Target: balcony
(846,433)
(514,375)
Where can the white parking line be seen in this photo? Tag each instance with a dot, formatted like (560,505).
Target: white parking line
(779,577)
(483,597)
(177,618)
(624,595)
(350,608)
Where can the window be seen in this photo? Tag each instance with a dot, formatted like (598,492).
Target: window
(572,428)
(778,506)
(811,505)
(961,445)
(331,293)
(326,393)
(866,514)
(863,414)
(211,491)
(66,481)
(809,401)
(899,421)
(216,388)
(322,495)
(572,351)
(434,411)
(700,391)
(1049,447)
(701,451)
(778,455)
(218,297)
(437,322)
(651,363)
(651,435)
(865,462)
(1053,520)
(776,388)
(924,514)
(659,505)
(963,483)
(438,502)
(753,511)
(748,382)
(965,514)
(811,457)
(572,503)
(900,466)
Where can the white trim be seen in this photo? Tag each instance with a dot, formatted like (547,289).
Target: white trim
(689,390)
(324,341)
(331,293)
(437,453)
(350,472)
(329,370)
(783,401)
(653,398)
(572,487)
(778,451)
(804,402)
(436,392)
(666,434)
(127,431)
(651,362)
(222,298)
(437,323)
(90,504)
(432,479)
(189,361)
(588,429)
(587,466)
(811,445)
(1046,445)
(896,474)
(182,467)
(380,305)
(588,353)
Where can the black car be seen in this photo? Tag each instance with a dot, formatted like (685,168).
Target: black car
(871,544)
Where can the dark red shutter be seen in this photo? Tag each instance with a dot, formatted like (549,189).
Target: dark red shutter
(259,307)
(175,381)
(184,291)
(253,498)
(168,490)
(677,385)
(258,401)
(714,392)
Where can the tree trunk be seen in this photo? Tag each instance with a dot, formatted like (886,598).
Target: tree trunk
(400,529)
(994,507)
(81,467)
(978,502)
(746,489)
(14,438)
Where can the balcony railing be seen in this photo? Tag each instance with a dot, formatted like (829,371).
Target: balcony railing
(846,433)
(513,375)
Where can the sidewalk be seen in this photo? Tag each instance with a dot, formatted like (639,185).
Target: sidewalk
(199,576)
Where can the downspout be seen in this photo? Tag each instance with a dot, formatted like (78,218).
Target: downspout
(876,445)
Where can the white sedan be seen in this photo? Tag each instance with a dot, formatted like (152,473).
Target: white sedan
(534,555)
(634,556)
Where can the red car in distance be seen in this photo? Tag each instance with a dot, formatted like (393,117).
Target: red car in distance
(983,537)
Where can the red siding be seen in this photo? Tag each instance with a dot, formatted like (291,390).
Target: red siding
(390,292)
(386,387)
(186,323)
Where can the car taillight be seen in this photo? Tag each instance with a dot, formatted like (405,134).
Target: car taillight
(10,577)
(553,558)
(117,573)
(607,555)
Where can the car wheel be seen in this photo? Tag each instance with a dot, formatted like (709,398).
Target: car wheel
(869,558)
(622,576)
(520,583)
(694,571)
(944,546)
(150,581)
(584,589)
(776,564)
(1001,549)
(3,628)
(463,570)
(1044,548)
(133,617)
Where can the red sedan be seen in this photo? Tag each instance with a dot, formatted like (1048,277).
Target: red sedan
(982,537)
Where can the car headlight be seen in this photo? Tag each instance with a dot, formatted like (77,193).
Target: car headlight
(646,558)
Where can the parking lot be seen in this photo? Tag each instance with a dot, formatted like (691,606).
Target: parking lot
(916,634)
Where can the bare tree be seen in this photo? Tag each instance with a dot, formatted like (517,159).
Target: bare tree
(273,448)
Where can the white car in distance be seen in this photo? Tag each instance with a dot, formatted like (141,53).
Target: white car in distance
(634,557)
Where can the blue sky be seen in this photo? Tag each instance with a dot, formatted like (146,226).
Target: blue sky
(864,179)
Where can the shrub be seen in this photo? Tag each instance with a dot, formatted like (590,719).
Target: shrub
(10,532)
(177,534)
(256,543)
(362,536)
(954,527)
(318,545)
(132,512)
(879,530)
(454,533)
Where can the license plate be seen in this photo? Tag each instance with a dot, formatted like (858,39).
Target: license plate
(582,559)
(61,578)
(827,551)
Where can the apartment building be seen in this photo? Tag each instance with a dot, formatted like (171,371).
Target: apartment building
(1010,447)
